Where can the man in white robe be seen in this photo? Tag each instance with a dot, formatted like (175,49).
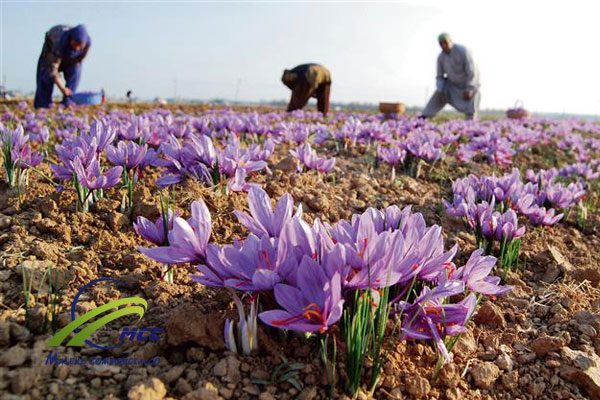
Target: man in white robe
(457,81)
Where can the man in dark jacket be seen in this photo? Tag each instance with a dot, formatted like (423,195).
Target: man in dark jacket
(306,81)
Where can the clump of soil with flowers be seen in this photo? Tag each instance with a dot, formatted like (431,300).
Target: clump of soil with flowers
(296,256)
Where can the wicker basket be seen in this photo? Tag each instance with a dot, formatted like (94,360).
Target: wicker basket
(518,112)
(392,108)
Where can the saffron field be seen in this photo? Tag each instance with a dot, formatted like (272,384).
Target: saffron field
(296,256)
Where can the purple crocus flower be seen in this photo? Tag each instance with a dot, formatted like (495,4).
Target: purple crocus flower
(307,156)
(476,213)
(128,155)
(393,155)
(379,262)
(182,161)
(16,153)
(238,182)
(425,145)
(576,190)
(429,318)
(507,227)
(507,185)
(321,135)
(296,133)
(542,216)
(366,247)
(525,203)
(543,177)
(91,177)
(325,165)
(103,133)
(492,144)
(476,275)
(313,306)
(154,231)
(14,138)
(465,153)
(458,207)
(199,148)
(255,264)
(383,248)
(86,150)
(43,135)
(25,158)
(302,239)
(188,240)
(233,157)
(263,221)
(62,173)
(349,132)
(263,153)
(169,180)
(558,196)
(488,222)
(433,266)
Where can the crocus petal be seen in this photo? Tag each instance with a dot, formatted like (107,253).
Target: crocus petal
(260,208)
(250,223)
(488,288)
(265,279)
(166,255)
(289,297)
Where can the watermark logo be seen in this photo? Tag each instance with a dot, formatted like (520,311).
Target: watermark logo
(136,305)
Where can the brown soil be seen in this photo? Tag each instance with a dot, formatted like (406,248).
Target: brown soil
(520,345)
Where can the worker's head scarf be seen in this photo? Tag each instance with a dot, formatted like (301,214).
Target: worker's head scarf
(78,34)
(444,37)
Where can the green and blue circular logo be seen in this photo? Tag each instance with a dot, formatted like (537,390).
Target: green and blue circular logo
(137,305)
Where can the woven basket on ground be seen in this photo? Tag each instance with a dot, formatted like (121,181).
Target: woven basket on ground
(518,112)
(392,108)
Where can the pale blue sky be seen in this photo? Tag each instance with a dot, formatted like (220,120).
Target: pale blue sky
(542,53)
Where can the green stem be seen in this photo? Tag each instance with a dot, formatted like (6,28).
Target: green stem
(37,171)
(329,365)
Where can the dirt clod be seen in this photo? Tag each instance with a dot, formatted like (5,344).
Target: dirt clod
(490,315)
(187,324)
(484,374)
(207,392)
(153,389)
(418,386)
(545,344)
(13,357)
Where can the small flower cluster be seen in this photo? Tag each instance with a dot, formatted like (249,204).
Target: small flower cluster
(308,158)
(585,171)
(427,145)
(197,157)
(537,201)
(16,153)
(393,156)
(497,149)
(81,157)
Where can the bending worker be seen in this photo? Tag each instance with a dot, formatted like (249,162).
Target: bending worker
(306,81)
(64,49)
(457,81)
